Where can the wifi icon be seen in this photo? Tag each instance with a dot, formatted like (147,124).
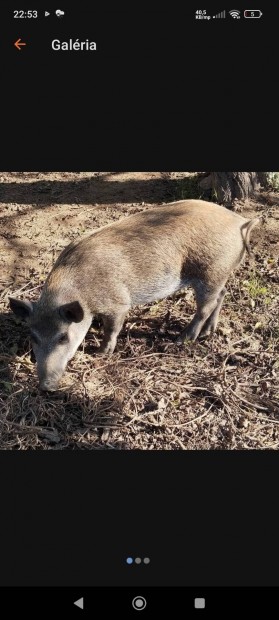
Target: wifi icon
(235,14)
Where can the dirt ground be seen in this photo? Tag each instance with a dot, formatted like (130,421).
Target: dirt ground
(219,393)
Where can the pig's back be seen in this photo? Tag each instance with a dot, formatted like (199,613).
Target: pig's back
(169,228)
(153,253)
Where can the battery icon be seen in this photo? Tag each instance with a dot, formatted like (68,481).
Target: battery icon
(255,13)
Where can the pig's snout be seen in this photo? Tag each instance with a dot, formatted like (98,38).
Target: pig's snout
(49,382)
(49,374)
(48,385)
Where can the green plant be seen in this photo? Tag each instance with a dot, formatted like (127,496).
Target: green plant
(255,287)
(273,180)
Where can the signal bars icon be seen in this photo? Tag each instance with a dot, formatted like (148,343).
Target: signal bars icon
(220,15)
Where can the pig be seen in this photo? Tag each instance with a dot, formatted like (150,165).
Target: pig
(136,260)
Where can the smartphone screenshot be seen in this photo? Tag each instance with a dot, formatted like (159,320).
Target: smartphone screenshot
(139,334)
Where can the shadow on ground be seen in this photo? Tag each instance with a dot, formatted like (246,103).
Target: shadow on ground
(97,189)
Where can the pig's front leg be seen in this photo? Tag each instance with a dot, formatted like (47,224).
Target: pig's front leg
(112,326)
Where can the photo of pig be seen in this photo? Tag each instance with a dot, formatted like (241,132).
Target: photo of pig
(138,260)
(146,321)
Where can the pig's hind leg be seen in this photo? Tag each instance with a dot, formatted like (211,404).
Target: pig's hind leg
(209,300)
(112,326)
(211,323)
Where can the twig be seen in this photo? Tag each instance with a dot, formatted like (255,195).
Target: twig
(247,401)
(242,340)
(199,417)
(180,443)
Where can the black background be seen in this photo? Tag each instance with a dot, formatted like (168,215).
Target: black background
(203,518)
(163,92)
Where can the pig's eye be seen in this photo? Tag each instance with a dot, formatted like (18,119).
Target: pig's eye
(62,339)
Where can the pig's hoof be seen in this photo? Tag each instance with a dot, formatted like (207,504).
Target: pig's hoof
(183,338)
(106,350)
(206,332)
(180,340)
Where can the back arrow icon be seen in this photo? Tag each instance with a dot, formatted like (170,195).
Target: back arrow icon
(18,44)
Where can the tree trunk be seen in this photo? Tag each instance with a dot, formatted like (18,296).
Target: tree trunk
(231,186)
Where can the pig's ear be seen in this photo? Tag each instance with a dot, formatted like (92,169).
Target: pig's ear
(21,307)
(72,312)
